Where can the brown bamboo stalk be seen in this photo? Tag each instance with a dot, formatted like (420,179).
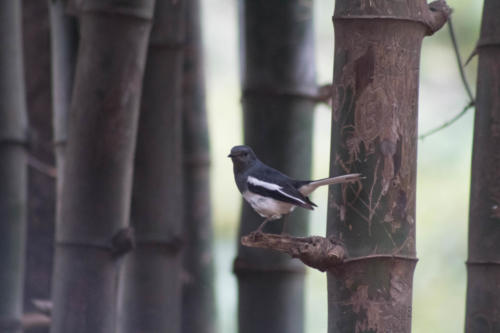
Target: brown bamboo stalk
(198,299)
(483,264)
(99,161)
(150,289)
(13,176)
(374,132)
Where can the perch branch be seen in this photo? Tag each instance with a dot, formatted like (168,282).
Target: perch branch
(453,38)
(449,122)
(314,251)
(467,88)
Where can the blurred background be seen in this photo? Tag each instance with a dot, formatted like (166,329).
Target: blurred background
(443,164)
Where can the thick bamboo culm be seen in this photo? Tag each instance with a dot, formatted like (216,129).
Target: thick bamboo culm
(91,227)
(150,288)
(483,264)
(198,298)
(64,47)
(41,172)
(278,73)
(374,132)
(13,175)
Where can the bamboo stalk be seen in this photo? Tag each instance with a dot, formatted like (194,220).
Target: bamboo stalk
(374,132)
(198,299)
(13,176)
(99,161)
(41,184)
(64,47)
(483,264)
(278,78)
(150,290)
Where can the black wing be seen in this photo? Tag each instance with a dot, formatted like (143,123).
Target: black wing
(281,190)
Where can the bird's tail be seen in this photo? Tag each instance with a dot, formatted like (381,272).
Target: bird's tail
(309,187)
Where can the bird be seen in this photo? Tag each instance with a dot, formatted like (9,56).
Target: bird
(271,193)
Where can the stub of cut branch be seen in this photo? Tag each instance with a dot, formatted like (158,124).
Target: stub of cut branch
(314,251)
(437,16)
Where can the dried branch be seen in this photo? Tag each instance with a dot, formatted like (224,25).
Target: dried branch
(42,167)
(314,251)
(459,61)
(464,82)
(449,122)
(472,55)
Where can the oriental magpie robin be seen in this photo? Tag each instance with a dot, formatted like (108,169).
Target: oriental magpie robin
(271,193)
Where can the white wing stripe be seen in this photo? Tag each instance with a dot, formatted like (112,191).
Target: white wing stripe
(294,198)
(272,187)
(266,185)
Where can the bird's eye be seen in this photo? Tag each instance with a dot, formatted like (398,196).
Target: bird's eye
(245,154)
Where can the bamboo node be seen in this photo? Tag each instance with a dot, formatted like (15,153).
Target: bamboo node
(490,263)
(123,241)
(11,140)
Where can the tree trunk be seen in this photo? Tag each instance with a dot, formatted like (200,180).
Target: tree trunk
(64,47)
(13,175)
(198,299)
(483,265)
(150,292)
(41,181)
(374,132)
(99,161)
(278,75)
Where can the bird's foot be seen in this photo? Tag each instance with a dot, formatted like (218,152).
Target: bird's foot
(254,235)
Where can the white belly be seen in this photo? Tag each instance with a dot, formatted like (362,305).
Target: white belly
(268,207)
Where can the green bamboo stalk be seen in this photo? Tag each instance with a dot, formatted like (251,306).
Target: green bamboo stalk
(374,132)
(483,264)
(97,183)
(198,299)
(150,289)
(13,176)
(278,73)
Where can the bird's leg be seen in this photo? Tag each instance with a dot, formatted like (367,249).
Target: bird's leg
(253,234)
(259,229)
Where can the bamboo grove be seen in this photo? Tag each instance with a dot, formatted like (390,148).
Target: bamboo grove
(105,166)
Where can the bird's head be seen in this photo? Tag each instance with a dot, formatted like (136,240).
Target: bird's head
(243,157)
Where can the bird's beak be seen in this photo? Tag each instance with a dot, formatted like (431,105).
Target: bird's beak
(230,155)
